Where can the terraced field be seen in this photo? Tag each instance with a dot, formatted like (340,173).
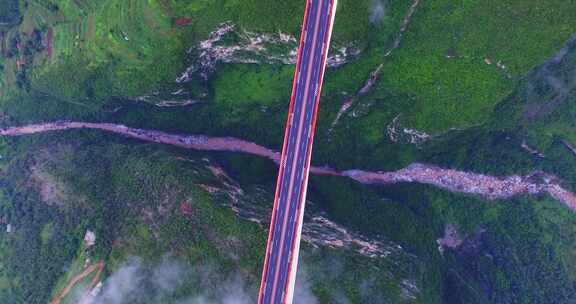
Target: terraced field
(473,86)
(136,35)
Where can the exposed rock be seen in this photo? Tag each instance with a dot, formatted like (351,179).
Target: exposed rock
(374,75)
(569,147)
(409,290)
(397,133)
(89,239)
(343,109)
(489,187)
(451,238)
(170,103)
(531,150)
(318,230)
(227,44)
(342,55)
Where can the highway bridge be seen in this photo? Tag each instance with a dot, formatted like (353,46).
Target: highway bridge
(279,273)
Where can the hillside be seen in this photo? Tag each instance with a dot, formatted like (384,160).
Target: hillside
(468,92)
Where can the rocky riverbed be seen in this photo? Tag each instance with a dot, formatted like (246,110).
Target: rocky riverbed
(489,187)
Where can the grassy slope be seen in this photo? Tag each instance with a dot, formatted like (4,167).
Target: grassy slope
(433,93)
(439,93)
(128,48)
(132,201)
(116,48)
(462,91)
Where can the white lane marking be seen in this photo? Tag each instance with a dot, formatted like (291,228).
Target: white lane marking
(291,284)
(283,194)
(298,141)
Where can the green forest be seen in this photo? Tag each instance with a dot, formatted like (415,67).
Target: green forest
(489,83)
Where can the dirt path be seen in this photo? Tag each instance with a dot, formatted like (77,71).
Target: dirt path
(486,186)
(99,267)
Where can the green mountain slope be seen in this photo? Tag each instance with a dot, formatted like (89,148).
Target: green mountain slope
(479,86)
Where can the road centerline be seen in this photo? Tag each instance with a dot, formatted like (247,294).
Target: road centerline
(278,276)
(298,141)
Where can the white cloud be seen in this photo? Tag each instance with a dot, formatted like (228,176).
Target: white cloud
(377,12)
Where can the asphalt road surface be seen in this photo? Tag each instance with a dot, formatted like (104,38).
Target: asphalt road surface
(279,272)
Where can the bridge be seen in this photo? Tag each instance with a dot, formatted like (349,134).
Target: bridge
(280,264)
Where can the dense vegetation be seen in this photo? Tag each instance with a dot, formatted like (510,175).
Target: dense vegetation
(9,13)
(476,75)
(133,200)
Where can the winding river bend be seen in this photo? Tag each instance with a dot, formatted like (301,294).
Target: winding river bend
(489,187)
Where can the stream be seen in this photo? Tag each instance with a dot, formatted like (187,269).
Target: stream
(488,187)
